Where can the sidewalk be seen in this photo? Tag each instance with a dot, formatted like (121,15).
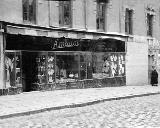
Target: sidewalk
(35,102)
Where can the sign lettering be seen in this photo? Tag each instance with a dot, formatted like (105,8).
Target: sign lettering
(55,44)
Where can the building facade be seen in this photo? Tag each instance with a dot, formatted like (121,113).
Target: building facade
(48,45)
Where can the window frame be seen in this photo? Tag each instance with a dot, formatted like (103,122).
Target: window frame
(61,13)
(30,19)
(129,21)
(150,18)
(100,14)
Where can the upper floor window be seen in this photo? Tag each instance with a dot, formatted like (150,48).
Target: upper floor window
(101,15)
(129,21)
(65,13)
(29,11)
(149,24)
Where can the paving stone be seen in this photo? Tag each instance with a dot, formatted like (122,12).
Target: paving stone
(125,113)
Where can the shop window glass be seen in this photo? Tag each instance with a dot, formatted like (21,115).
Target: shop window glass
(65,13)
(29,11)
(108,65)
(85,66)
(40,66)
(66,67)
(13,75)
(100,15)
(18,71)
(128,21)
(51,67)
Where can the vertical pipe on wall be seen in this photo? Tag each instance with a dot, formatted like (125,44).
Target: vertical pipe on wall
(49,16)
(85,13)
(120,6)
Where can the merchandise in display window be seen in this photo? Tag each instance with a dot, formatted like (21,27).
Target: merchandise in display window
(66,67)
(41,69)
(108,65)
(51,68)
(85,65)
(13,75)
(18,70)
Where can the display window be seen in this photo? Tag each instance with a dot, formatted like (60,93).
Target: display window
(13,72)
(67,67)
(86,65)
(101,68)
(40,68)
(51,67)
(108,65)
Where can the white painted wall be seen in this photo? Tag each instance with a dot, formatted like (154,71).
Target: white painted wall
(137,63)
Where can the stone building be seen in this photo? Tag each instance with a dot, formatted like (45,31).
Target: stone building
(50,44)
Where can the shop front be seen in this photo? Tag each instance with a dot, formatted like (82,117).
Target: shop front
(45,63)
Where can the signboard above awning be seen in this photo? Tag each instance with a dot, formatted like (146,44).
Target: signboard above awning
(59,32)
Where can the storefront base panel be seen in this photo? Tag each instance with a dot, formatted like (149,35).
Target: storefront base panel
(11,91)
(90,83)
(81,84)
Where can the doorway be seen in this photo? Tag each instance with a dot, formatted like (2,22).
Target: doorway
(28,71)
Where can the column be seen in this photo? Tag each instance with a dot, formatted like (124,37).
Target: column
(2,65)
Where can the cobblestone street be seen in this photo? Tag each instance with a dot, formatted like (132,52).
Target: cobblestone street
(141,112)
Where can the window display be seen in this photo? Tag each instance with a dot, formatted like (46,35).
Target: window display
(108,65)
(62,68)
(41,69)
(51,68)
(18,69)
(85,66)
(66,67)
(13,73)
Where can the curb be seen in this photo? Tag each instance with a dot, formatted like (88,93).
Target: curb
(73,105)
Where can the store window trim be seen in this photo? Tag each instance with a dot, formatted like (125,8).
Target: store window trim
(29,11)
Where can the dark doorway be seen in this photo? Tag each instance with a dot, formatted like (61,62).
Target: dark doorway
(28,72)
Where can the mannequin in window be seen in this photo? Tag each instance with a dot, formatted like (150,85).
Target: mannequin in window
(9,71)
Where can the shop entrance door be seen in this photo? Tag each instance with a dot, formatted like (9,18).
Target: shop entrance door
(27,70)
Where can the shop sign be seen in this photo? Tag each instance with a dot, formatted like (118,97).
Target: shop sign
(64,43)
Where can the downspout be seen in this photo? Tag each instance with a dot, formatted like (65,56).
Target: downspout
(85,14)
(120,26)
(49,22)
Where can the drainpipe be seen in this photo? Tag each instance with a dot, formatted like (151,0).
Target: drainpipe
(49,22)
(120,6)
(85,14)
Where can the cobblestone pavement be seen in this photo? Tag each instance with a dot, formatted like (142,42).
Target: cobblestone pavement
(140,112)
